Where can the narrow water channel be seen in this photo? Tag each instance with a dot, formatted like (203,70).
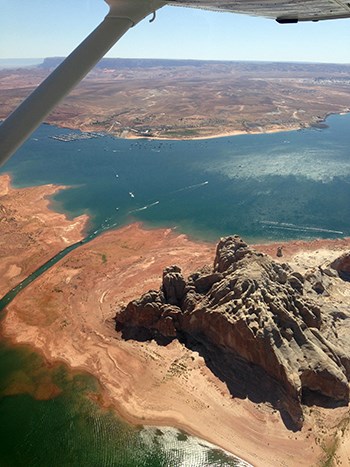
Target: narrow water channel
(9,296)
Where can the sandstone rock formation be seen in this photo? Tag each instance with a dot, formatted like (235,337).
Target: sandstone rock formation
(264,329)
(342,266)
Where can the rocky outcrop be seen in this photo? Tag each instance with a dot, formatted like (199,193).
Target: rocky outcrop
(249,315)
(342,266)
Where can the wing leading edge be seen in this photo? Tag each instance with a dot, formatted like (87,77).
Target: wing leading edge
(283,11)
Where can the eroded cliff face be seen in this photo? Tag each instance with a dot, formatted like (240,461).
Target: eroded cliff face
(269,332)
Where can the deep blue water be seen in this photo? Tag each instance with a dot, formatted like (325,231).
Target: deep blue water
(264,187)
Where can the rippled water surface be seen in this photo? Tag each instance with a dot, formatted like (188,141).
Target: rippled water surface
(49,417)
(275,186)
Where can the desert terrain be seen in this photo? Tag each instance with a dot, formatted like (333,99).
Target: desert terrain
(30,233)
(72,308)
(189,99)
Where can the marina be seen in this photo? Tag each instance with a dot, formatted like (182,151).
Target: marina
(67,138)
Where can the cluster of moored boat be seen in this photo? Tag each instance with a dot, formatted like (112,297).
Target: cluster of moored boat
(76,136)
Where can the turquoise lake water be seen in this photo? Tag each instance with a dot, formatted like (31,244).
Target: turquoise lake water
(264,187)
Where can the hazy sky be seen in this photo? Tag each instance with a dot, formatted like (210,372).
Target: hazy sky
(42,28)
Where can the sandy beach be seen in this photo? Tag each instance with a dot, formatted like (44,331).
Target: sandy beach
(67,314)
(212,135)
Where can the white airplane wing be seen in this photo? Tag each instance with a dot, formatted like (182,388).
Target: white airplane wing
(283,11)
(123,15)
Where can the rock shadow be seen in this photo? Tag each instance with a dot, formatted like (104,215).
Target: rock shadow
(243,379)
(312,398)
(142,334)
(246,380)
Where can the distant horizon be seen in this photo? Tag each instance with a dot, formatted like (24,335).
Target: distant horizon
(19,62)
(7,62)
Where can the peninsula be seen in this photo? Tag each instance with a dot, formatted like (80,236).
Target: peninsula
(72,309)
(188,99)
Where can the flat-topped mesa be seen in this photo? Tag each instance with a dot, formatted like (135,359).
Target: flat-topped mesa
(249,315)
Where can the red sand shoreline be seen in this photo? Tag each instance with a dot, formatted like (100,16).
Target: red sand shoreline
(71,310)
(137,378)
(30,232)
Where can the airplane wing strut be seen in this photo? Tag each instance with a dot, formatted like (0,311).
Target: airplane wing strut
(28,116)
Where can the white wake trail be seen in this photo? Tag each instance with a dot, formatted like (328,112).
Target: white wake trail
(190,187)
(144,207)
(298,228)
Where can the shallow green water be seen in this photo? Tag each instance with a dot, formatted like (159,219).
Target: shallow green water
(49,418)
